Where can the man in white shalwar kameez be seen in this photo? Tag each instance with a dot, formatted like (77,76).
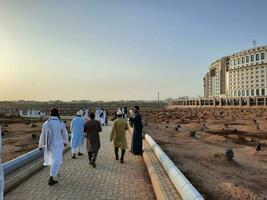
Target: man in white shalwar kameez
(97,114)
(1,170)
(103,117)
(53,138)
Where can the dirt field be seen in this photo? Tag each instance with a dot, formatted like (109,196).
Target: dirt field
(196,139)
(19,136)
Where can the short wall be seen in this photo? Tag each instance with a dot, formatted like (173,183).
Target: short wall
(22,160)
(180,182)
(23,167)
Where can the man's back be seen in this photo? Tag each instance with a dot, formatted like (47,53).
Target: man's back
(77,124)
(92,126)
(120,126)
(92,129)
(57,127)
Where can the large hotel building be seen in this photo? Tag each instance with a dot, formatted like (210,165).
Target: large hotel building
(240,74)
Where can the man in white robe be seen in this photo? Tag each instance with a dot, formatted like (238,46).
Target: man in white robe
(97,114)
(1,170)
(103,116)
(53,138)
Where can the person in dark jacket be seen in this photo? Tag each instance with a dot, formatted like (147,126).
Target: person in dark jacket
(92,129)
(137,139)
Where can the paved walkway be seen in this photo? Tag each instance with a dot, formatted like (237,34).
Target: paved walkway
(78,180)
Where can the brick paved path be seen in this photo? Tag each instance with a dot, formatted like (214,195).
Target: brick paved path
(78,180)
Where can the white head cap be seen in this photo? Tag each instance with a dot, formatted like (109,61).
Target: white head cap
(80,113)
(119,112)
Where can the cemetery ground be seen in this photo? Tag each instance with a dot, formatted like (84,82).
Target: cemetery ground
(196,139)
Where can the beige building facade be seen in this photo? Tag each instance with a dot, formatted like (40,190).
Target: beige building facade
(240,74)
(215,81)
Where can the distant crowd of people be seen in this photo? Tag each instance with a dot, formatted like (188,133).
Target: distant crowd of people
(54,136)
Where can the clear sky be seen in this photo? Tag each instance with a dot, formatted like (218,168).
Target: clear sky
(114,50)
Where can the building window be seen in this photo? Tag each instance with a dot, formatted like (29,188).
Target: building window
(257,57)
(243,59)
(247,92)
(238,60)
(239,93)
(252,58)
(243,92)
(252,92)
(257,92)
(262,91)
(234,61)
(262,56)
(262,80)
(247,59)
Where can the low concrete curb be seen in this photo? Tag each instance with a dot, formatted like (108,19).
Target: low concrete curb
(21,161)
(155,180)
(159,188)
(22,168)
(23,175)
(180,182)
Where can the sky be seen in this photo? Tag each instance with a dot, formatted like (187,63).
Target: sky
(119,50)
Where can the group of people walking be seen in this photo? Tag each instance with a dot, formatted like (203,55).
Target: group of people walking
(54,137)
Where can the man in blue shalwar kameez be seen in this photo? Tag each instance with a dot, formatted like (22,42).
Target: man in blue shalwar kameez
(77,135)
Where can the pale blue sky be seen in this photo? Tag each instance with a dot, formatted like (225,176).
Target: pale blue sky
(113,50)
